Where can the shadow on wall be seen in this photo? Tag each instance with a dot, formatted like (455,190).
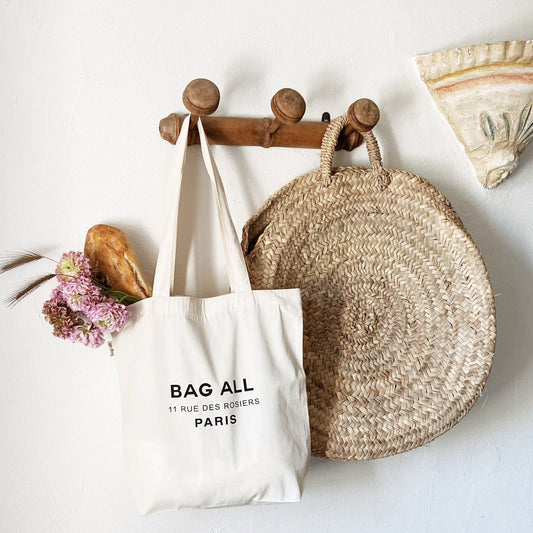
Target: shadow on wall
(511,275)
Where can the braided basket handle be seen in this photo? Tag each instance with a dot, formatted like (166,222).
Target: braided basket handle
(329,142)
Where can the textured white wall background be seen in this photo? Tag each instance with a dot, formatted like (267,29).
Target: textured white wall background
(82,88)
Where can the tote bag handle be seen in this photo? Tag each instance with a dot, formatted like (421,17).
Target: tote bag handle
(166,260)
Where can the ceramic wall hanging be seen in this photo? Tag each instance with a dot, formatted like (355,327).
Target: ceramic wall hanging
(486,93)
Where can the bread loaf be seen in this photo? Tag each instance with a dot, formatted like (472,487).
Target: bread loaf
(114,262)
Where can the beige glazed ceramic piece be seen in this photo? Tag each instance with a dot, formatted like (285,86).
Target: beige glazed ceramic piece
(486,93)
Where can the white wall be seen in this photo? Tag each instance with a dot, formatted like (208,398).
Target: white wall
(82,88)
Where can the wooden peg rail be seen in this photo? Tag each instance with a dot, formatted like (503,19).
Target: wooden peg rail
(201,98)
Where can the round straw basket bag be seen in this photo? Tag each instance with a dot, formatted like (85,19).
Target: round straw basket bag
(399,320)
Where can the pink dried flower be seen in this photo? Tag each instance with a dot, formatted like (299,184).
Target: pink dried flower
(108,315)
(78,309)
(73,265)
(88,334)
(58,313)
(81,294)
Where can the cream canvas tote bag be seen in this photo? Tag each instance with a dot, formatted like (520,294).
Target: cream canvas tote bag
(213,397)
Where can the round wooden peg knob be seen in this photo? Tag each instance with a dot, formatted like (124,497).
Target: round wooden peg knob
(363,115)
(169,128)
(201,97)
(288,106)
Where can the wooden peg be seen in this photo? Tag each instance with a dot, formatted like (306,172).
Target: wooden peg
(288,107)
(362,115)
(201,97)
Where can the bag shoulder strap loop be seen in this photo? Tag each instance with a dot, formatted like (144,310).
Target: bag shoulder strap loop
(236,267)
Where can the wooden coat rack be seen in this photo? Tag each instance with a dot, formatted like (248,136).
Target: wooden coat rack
(201,98)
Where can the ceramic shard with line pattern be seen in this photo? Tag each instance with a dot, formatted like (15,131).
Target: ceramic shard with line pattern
(486,93)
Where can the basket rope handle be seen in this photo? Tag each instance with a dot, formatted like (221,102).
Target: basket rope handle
(327,152)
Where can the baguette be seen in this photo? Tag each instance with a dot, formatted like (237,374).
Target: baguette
(114,262)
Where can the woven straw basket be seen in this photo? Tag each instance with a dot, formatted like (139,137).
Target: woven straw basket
(399,320)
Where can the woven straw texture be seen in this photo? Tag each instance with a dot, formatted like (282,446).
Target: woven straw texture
(399,319)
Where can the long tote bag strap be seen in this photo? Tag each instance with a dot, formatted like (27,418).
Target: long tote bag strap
(166,260)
